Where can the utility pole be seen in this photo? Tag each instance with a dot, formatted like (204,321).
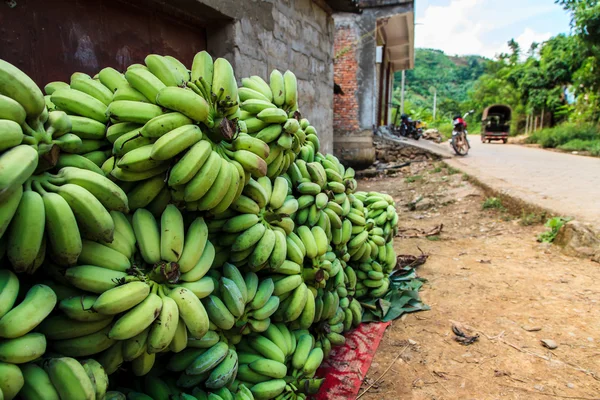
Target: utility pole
(402,93)
(434,102)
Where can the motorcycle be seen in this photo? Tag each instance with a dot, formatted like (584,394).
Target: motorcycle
(410,129)
(460,141)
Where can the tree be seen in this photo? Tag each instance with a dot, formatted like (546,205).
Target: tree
(585,16)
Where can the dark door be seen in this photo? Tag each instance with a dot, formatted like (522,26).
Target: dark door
(49,40)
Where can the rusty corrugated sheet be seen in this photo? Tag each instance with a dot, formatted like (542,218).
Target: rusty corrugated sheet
(49,40)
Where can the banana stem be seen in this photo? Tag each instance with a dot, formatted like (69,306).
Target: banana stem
(27,184)
(38,187)
(38,136)
(50,186)
(30,140)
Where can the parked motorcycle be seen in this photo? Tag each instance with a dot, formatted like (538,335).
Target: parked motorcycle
(460,141)
(409,128)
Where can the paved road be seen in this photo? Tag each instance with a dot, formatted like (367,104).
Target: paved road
(567,184)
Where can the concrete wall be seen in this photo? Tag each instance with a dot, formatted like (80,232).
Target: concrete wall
(281,34)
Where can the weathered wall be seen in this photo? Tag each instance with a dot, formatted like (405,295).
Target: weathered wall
(286,34)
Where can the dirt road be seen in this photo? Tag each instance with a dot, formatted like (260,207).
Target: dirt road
(486,272)
(565,183)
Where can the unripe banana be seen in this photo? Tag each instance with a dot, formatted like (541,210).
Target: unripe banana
(37,384)
(93,88)
(15,84)
(164,123)
(132,111)
(184,101)
(98,376)
(176,141)
(121,298)
(145,82)
(137,319)
(163,330)
(276,83)
(36,306)
(70,379)
(23,348)
(148,235)
(191,311)
(16,166)
(79,103)
(164,70)
(224,84)
(112,79)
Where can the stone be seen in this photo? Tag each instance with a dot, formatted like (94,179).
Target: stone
(424,204)
(579,240)
(549,343)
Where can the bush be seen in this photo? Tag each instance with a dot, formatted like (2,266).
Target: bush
(593,146)
(573,137)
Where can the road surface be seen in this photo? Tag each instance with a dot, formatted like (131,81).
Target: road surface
(564,183)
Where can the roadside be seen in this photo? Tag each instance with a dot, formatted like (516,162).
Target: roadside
(486,272)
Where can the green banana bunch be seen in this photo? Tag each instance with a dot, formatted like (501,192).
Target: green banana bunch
(381,209)
(24,317)
(213,365)
(264,111)
(66,206)
(244,304)
(69,378)
(256,234)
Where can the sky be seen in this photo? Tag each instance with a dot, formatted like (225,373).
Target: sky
(483,27)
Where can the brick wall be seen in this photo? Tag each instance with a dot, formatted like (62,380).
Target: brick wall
(345,70)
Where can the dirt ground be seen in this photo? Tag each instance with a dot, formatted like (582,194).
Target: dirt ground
(488,275)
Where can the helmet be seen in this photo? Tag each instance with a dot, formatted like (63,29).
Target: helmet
(403,116)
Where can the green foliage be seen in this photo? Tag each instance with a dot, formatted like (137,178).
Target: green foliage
(492,203)
(452,171)
(530,219)
(569,136)
(554,225)
(593,147)
(412,179)
(453,77)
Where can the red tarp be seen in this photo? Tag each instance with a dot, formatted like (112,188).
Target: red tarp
(347,365)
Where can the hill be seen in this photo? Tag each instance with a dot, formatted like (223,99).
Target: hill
(452,76)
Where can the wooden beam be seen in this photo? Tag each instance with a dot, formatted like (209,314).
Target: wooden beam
(380,95)
(387,91)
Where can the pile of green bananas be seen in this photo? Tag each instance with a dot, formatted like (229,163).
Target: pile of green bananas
(242,305)
(178,237)
(146,303)
(65,377)
(254,231)
(279,363)
(19,343)
(269,112)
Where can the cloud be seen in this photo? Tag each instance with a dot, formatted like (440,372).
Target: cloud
(525,40)
(479,26)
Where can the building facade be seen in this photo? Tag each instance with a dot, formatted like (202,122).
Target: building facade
(369,48)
